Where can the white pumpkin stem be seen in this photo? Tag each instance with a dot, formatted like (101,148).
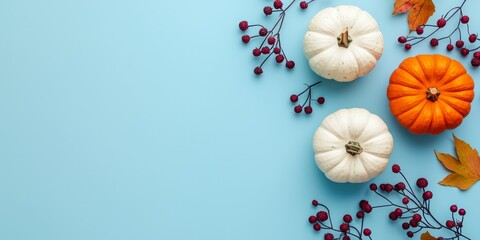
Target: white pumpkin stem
(433,94)
(353,148)
(344,39)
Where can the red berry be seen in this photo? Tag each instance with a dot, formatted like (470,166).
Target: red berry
(402,39)
(417,217)
(328,236)
(464,51)
(410,234)
(308,109)
(405,226)
(271,40)
(367,208)
(400,186)
(405,200)
(298,109)
(303,5)
(346,238)
(419,30)
(243,25)
(265,50)
(422,183)
(464,19)
(290,64)
(344,227)
(382,186)
(441,22)
(276,50)
(277,4)
(312,219)
(393,216)
(373,187)
(347,218)
(453,208)
(294,98)
(449,47)
(314,202)
(388,187)
(459,224)
(475,62)
(398,212)
(360,214)
(472,38)
(459,43)
(362,203)
(245,38)
(267,10)
(462,212)
(408,46)
(279,58)
(316,227)
(413,223)
(434,42)
(427,195)
(395,168)
(321,100)
(321,215)
(258,70)
(476,55)
(450,223)
(263,32)
(256,52)
(367,232)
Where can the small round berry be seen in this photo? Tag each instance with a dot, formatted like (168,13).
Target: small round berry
(290,64)
(472,38)
(347,218)
(405,200)
(459,224)
(367,208)
(362,203)
(427,195)
(360,214)
(464,19)
(405,225)
(388,187)
(476,55)
(417,217)
(314,202)
(402,39)
(382,186)
(453,208)
(395,168)
(459,43)
(464,51)
(303,5)
(258,70)
(413,223)
(243,25)
(398,212)
(256,52)
(344,227)
(462,212)
(419,30)
(316,227)
(308,109)
(422,183)
(321,215)
(271,40)
(265,50)
(277,50)
(328,236)
(400,186)
(346,238)
(449,47)
(408,46)
(245,38)
(393,216)
(410,234)
(279,58)
(263,32)
(298,109)
(475,62)
(434,42)
(267,10)
(312,219)
(373,187)
(441,22)
(450,223)
(367,232)
(277,4)
(294,98)
(321,100)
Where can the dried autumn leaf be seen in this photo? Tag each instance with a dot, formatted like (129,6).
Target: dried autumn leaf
(465,169)
(426,236)
(420,11)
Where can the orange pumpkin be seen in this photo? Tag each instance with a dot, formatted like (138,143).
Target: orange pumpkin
(430,93)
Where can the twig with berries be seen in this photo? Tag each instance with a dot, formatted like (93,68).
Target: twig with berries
(307,104)
(461,27)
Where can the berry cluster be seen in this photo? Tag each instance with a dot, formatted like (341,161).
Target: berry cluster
(460,29)
(412,209)
(304,107)
(271,42)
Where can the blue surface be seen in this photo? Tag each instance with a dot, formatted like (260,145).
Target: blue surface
(143,120)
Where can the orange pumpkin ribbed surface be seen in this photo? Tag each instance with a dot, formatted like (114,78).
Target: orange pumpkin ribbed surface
(430,93)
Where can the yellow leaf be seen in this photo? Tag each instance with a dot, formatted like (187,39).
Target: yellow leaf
(426,236)
(465,169)
(420,13)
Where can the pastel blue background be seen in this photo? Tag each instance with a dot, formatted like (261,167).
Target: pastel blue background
(143,120)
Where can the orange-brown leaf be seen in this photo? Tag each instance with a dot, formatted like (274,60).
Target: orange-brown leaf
(402,6)
(421,11)
(426,236)
(465,169)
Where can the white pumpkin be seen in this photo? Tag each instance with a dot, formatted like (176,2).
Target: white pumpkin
(352,145)
(343,43)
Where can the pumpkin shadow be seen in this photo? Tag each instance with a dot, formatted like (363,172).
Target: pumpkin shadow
(342,190)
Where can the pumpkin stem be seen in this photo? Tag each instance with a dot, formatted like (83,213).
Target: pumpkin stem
(353,148)
(433,94)
(343,39)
